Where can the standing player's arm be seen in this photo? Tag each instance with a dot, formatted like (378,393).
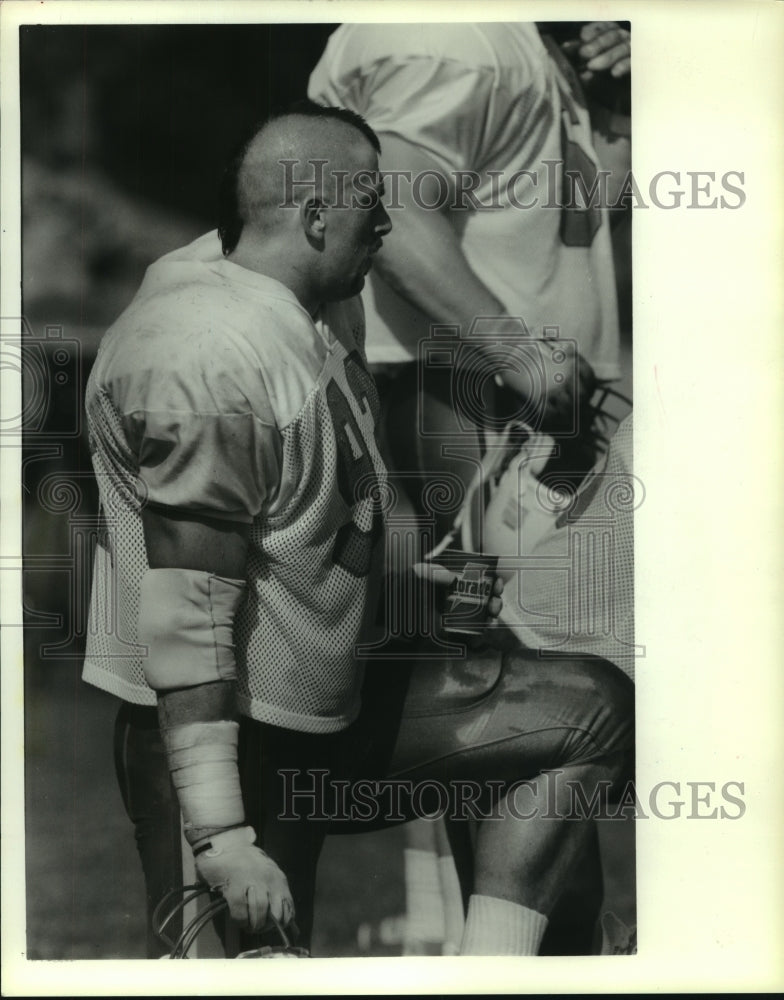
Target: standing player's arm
(188,599)
(423,261)
(421,257)
(602,57)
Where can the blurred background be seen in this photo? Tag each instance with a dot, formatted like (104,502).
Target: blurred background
(124,134)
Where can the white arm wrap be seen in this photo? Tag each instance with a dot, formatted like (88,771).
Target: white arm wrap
(186,621)
(203,764)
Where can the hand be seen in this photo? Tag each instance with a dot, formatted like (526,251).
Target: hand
(250,881)
(603,46)
(444,578)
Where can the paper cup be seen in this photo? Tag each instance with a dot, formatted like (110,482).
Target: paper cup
(465,607)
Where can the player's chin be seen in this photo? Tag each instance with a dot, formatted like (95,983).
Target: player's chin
(357,285)
(347,290)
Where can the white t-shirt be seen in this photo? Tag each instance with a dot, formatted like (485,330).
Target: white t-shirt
(215,392)
(487,98)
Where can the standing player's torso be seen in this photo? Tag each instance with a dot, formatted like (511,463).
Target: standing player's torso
(508,112)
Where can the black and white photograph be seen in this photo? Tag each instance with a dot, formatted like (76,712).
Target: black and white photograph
(349,612)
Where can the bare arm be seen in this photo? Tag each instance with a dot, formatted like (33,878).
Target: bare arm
(422,258)
(190,542)
(423,261)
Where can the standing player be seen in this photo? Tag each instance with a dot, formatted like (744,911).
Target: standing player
(232,430)
(501,231)
(484,129)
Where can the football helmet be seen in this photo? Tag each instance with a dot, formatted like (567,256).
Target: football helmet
(175,901)
(527,479)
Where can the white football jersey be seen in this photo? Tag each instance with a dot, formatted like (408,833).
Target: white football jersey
(489,99)
(216,393)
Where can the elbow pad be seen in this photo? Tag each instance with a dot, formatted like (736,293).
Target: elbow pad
(186,620)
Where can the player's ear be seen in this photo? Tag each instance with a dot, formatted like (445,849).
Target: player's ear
(313,216)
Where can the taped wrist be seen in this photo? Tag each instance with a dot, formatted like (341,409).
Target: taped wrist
(229,840)
(186,620)
(202,759)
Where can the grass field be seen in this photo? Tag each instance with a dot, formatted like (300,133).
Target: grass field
(84,885)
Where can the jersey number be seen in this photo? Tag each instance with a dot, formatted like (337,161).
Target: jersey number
(354,546)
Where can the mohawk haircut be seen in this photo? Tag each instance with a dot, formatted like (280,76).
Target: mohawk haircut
(230,220)
(309,109)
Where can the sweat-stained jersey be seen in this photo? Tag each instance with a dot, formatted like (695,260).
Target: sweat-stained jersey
(493,101)
(216,393)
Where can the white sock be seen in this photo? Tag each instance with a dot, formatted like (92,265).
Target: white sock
(454,917)
(498,927)
(424,905)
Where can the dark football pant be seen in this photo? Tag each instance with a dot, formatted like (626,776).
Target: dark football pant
(500,717)
(267,755)
(151,804)
(482,724)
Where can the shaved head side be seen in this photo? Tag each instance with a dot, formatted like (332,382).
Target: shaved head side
(306,152)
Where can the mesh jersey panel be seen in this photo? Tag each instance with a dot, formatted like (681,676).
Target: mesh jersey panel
(114,660)
(315,546)
(296,632)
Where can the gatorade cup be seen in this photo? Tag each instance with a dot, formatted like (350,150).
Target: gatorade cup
(465,609)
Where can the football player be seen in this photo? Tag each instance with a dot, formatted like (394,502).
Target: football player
(232,432)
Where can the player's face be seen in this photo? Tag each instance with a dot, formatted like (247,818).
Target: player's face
(357,223)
